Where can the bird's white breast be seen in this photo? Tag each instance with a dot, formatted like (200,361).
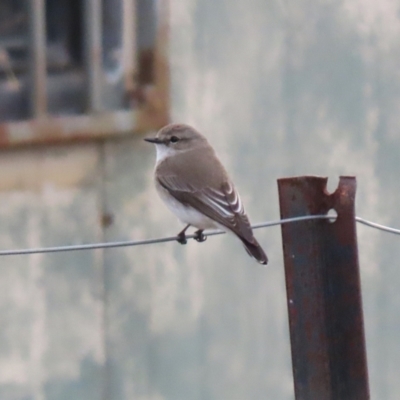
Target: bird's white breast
(187,215)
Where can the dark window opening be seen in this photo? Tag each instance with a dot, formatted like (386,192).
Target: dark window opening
(70,67)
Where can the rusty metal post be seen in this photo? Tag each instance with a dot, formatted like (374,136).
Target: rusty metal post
(323,291)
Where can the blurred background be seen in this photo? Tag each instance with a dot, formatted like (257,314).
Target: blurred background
(280,89)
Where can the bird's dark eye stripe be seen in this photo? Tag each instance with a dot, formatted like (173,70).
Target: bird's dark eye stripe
(174,139)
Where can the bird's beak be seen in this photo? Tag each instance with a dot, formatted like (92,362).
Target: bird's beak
(154,140)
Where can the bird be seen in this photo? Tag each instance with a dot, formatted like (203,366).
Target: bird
(195,186)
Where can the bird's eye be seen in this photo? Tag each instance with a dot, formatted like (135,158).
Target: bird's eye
(174,139)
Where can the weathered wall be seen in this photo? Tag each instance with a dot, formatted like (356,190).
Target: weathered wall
(280,89)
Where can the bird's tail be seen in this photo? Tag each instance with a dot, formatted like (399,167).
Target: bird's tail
(255,250)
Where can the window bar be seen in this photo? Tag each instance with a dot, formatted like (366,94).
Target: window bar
(93,53)
(38,92)
(129,43)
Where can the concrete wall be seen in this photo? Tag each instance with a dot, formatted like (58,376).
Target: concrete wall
(280,89)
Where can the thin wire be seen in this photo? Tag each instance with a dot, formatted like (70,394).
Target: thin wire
(129,243)
(378,226)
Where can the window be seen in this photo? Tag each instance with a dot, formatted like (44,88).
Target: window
(81,68)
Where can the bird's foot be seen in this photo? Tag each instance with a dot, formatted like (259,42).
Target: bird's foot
(181,238)
(181,235)
(199,236)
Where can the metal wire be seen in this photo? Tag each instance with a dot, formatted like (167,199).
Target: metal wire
(129,243)
(378,226)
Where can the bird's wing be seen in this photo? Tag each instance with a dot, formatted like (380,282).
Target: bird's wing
(221,204)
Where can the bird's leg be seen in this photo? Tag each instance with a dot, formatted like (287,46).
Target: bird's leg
(181,235)
(198,235)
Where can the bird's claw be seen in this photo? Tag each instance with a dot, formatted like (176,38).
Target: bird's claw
(181,238)
(199,236)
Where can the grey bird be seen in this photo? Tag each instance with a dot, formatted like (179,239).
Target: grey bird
(195,186)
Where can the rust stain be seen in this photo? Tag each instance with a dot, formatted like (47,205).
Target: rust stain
(4,137)
(106,220)
(153,113)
